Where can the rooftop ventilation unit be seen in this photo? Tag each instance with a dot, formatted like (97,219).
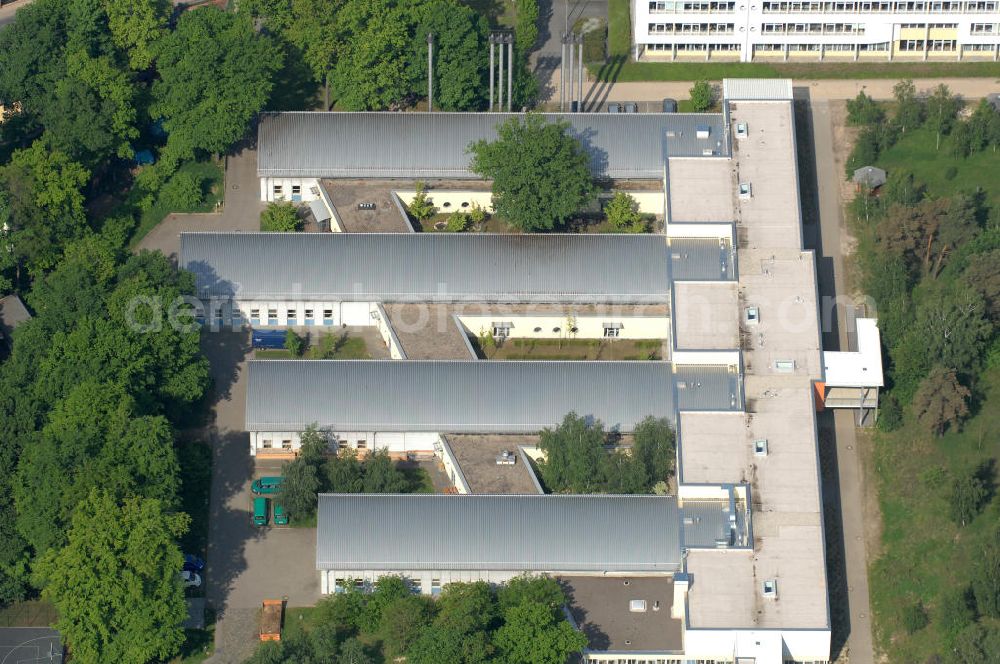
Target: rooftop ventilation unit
(742,130)
(637,606)
(760,447)
(704,131)
(770,589)
(746,191)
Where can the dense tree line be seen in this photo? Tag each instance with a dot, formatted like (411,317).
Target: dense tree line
(110,365)
(469,623)
(579,458)
(372,54)
(932,266)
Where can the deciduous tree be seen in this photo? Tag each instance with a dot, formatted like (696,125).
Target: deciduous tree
(460,60)
(862,110)
(115,584)
(942,109)
(540,173)
(532,634)
(909,107)
(136,26)
(216,73)
(370,73)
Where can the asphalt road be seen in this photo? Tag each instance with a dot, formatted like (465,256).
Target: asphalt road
(846,497)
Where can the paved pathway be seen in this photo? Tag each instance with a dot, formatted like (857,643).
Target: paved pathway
(598,93)
(846,497)
(240,212)
(245,565)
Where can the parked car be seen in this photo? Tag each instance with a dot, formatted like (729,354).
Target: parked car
(191,579)
(266,485)
(193,563)
(614,108)
(669,105)
(280,517)
(260,512)
(631,107)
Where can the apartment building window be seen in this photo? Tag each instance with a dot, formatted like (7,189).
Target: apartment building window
(328,317)
(772,28)
(911,45)
(342,444)
(254,315)
(803,47)
(981,7)
(983,29)
(979,47)
(309,317)
(286,444)
(266,444)
(278,190)
(362,445)
(881,46)
(292,316)
(943,26)
(840,47)
(272,316)
(296,189)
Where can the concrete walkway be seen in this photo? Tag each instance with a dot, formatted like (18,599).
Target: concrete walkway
(597,94)
(845,496)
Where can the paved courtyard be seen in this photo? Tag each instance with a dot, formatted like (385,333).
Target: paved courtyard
(240,211)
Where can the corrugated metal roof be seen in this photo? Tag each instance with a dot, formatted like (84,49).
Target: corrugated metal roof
(435,145)
(452,396)
(757,89)
(697,259)
(702,387)
(432,267)
(509,532)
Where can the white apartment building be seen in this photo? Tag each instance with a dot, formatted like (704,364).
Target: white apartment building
(816,30)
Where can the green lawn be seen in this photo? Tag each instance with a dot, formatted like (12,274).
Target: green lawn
(924,553)
(715,71)
(619,28)
(213,184)
(329,347)
(915,153)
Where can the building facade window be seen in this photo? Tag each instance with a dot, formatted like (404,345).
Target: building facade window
(266,443)
(272,316)
(286,444)
(328,317)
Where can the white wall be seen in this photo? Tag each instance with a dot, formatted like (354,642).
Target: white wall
(399,444)
(388,334)
(774,647)
(588,327)
(452,200)
(451,467)
(306,185)
(707,357)
(342,313)
(700,230)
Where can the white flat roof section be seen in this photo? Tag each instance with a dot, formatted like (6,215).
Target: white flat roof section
(757,89)
(700,189)
(705,316)
(862,368)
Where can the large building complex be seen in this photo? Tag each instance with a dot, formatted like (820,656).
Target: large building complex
(816,30)
(729,569)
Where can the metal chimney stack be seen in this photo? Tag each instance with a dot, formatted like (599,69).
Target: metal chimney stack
(430,72)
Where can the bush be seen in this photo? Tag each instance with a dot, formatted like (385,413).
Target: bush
(968,496)
(702,97)
(182,193)
(281,217)
(862,110)
(890,416)
(477,215)
(420,207)
(457,222)
(956,611)
(950,173)
(914,618)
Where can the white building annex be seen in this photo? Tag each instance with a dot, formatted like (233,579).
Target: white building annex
(732,569)
(816,30)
